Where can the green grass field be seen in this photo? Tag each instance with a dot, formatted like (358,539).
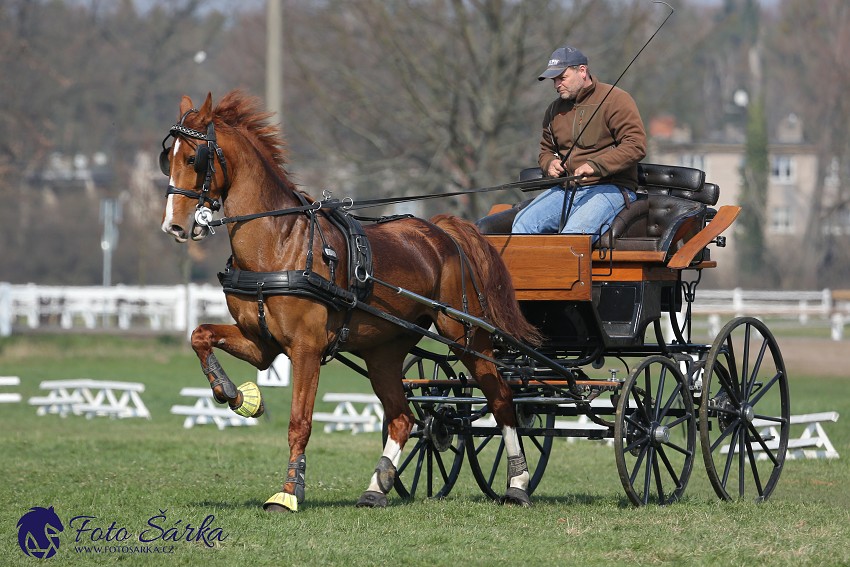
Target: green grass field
(154,477)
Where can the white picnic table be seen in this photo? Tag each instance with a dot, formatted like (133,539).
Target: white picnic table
(205,410)
(9,397)
(354,412)
(813,442)
(91,398)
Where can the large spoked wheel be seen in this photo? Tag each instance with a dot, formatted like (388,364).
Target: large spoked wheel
(744,411)
(489,461)
(655,433)
(433,463)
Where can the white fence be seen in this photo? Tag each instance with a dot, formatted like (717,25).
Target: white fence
(177,308)
(181,308)
(823,307)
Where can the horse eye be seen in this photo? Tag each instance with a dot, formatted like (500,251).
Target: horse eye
(191,160)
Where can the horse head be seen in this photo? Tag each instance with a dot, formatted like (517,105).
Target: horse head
(197,172)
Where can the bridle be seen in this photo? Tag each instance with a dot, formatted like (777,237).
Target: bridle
(202,164)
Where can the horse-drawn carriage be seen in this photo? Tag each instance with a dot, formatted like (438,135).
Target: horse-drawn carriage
(597,304)
(308,280)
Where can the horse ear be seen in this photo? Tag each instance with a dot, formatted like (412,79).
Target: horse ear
(206,110)
(185,105)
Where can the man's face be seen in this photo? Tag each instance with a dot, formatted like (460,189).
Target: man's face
(570,82)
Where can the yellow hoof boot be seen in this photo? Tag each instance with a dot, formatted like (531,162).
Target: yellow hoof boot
(252,401)
(281,502)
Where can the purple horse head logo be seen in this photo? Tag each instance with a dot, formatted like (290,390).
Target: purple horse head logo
(38,532)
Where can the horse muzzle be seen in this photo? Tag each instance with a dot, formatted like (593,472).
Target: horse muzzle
(189,228)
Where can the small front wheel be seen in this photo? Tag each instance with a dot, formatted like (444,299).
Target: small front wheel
(655,432)
(432,465)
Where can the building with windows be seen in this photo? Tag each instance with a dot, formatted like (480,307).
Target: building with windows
(791,186)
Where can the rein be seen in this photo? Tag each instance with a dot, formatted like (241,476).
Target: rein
(349,204)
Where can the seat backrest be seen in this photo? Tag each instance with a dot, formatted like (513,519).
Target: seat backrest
(678,181)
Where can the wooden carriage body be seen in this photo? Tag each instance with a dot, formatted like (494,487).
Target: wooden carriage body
(608,293)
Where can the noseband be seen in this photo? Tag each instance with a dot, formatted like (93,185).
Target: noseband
(202,164)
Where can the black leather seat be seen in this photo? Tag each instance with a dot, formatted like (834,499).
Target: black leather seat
(672,205)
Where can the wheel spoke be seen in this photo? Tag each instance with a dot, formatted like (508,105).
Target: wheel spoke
(754,374)
(636,424)
(726,432)
(733,446)
(638,462)
(496,462)
(417,472)
(415,451)
(659,482)
(674,396)
(647,477)
(757,437)
(636,443)
(755,470)
(669,466)
(766,388)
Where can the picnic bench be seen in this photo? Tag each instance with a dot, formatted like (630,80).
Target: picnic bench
(358,413)
(9,397)
(205,410)
(813,442)
(91,398)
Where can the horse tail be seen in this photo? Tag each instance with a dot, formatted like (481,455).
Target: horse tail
(496,284)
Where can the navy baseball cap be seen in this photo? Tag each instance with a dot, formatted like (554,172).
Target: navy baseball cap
(562,58)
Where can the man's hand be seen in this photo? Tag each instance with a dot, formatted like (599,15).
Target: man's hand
(555,168)
(584,170)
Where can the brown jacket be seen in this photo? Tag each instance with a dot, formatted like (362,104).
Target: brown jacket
(613,143)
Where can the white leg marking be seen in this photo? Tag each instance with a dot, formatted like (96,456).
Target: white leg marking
(392,451)
(512,449)
(168,219)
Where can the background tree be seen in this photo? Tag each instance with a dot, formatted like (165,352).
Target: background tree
(807,52)
(381,98)
(754,171)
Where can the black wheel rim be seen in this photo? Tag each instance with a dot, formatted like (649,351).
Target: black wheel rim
(655,433)
(744,411)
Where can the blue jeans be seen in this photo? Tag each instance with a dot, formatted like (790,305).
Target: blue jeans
(594,208)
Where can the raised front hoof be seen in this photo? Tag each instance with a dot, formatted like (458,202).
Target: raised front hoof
(252,401)
(516,497)
(281,502)
(372,499)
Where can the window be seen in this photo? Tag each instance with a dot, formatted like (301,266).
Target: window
(782,169)
(782,220)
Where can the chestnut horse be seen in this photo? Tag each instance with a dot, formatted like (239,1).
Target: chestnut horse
(230,156)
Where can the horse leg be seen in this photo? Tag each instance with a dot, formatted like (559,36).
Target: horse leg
(500,400)
(305,383)
(245,400)
(384,367)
